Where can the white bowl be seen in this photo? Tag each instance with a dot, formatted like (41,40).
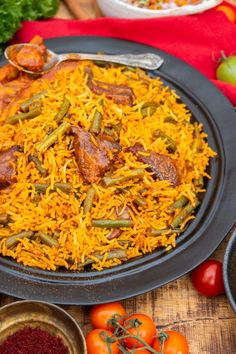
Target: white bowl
(121,9)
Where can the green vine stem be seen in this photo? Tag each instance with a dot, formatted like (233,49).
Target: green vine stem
(121,332)
(223,55)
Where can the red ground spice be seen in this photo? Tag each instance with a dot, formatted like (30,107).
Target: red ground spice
(33,341)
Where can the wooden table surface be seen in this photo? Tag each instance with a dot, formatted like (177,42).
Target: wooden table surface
(208,323)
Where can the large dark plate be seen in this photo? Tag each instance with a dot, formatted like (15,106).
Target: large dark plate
(215,216)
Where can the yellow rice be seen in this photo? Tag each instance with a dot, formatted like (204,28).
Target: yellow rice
(60,214)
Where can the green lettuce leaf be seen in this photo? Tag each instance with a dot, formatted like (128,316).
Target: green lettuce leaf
(10,18)
(36,9)
(12,12)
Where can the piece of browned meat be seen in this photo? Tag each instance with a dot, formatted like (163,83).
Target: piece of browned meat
(11,89)
(94,154)
(121,213)
(8,159)
(8,72)
(162,166)
(30,58)
(37,40)
(121,94)
(15,91)
(115,233)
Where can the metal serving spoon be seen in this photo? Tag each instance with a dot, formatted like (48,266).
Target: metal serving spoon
(146,61)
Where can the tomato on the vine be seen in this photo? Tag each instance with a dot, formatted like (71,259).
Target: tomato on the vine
(141,325)
(207,278)
(96,344)
(101,314)
(176,343)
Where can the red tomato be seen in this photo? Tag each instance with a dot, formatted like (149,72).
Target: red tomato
(228,11)
(101,314)
(175,344)
(96,345)
(207,278)
(146,330)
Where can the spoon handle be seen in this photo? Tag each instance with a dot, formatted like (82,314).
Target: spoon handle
(146,61)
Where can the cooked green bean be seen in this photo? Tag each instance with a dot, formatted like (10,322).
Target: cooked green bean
(4,219)
(42,187)
(115,253)
(23,116)
(120,190)
(96,123)
(179,203)
(62,111)
(48,240)
(43,171)
(112,223)
(143,190)
(113,130)
(183,214)
(197,142)
(77,193)
(49,140)
(135,173)
(88,261)
(108,131)
(124,242)
(170,120)
(159,232)
(199,182)
(116,127)
(148,108)
(88,202)
(14,239)
(140,201)
(170,142)
(71,143)
(26,104)
(102,64)
(97,120)
(34,105)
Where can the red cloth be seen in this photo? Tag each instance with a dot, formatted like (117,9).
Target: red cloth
(196,39)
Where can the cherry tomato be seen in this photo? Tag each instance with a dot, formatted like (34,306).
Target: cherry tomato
(101,314)
(226,71)
(228,11)
(207,278)
(146,330)
(96,345)
(175,344)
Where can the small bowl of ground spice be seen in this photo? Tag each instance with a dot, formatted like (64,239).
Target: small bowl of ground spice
(31,327)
